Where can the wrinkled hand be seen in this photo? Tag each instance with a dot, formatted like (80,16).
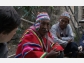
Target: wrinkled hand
(53,54)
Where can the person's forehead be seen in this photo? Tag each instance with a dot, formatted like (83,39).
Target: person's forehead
(65,19)
(45,21)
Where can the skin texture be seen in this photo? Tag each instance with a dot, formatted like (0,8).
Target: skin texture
(7,37)
(53,54)
(64,21)
(44,27)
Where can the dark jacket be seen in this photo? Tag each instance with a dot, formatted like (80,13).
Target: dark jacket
(3,50)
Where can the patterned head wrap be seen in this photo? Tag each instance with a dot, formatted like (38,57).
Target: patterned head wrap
(42,15)
(66,14)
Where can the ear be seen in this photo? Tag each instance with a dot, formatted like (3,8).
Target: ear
(2,35)
(60,20)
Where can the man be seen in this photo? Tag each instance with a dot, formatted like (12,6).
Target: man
(37,41)
(9,21)
(63,34)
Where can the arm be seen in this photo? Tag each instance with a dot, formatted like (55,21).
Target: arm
(70,34)
(55,38)
(29,47)
(32,50)
(56,51)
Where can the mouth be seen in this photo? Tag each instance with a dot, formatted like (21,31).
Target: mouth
(44,30)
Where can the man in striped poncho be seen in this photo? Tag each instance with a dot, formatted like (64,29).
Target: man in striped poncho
(37,41)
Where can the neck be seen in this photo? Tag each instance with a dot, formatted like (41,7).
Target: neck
(62,28)
(39,33)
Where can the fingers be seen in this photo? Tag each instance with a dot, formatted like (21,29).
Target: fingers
(53,54)
(57,52)
(80,48)
(70,40)
(54,50)
(58,35)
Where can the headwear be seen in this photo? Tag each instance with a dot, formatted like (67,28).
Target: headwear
(66,14)
(42,15)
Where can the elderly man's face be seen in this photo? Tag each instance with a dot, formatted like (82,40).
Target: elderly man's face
(63,23)
(44,27)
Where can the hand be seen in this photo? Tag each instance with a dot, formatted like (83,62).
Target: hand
(53,54)
(80,48)
(69,40)
(58,35)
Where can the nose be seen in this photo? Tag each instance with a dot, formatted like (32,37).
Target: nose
(45,26)
(63,22)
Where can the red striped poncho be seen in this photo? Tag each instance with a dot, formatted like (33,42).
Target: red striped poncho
(31,46)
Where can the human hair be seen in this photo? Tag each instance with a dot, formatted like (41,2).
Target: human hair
(9,19)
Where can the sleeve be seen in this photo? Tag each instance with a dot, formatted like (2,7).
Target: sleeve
(32,50)
(3,50)
(70,36)
(33,53)
(55,38)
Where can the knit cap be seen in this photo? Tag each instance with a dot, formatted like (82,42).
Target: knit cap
(42,15)
(66,14)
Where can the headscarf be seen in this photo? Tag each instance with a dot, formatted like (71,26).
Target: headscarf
(42,15)
(66,14)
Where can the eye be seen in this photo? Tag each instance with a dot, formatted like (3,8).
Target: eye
(43,23)
(62,20)
(48,24)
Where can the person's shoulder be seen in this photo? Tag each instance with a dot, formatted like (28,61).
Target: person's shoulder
(68,26)
(55,25)
(27,34)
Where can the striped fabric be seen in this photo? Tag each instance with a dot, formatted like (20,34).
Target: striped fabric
(42,15)
(29,47)
(66,14)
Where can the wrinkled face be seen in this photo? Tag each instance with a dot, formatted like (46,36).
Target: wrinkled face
(44,27)
(7,37)
(63,23)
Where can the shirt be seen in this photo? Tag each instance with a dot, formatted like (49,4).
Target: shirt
(3,50)
(65,34)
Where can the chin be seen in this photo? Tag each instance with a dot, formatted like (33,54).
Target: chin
(44,33)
